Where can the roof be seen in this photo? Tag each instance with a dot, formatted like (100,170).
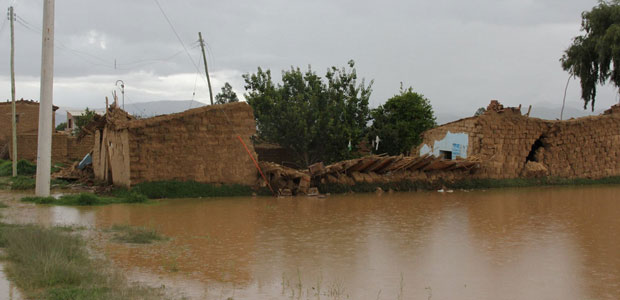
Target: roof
(27,102)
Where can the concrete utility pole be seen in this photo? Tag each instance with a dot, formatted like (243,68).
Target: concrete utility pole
(14,112)
(44,145)
(204,57)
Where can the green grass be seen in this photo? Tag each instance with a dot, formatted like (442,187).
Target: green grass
(3,205)
(527,182)
(27,183)
(189,189)
(467,184)
(135,235)
(51,264)
(87,199)
(24,168)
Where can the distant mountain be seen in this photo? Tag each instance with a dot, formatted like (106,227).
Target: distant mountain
(142,109)
(541,112)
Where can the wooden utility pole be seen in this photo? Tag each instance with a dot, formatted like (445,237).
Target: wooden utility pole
(204,57)
(44,143)
(14,112)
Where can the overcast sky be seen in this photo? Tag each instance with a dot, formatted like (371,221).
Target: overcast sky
(459,54)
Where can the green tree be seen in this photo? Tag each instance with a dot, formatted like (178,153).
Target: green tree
(317,118)
(480,111)
(227,95)
(400,122)
(83,120)
(595,56)
(61,127)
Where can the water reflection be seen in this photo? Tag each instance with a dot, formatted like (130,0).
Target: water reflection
(541,243)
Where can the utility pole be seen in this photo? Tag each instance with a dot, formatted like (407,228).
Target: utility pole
(44,144)
(13,114)
(204,57)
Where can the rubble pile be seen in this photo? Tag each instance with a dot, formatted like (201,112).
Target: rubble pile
(368,169)
(74,174)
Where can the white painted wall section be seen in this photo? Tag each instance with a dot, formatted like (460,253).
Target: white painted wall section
(457,143)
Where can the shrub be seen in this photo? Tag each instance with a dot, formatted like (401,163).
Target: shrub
(24,168)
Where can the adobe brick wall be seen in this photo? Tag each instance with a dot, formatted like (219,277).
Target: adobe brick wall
(65,148)
(28,118)
(578,148)
(199,144)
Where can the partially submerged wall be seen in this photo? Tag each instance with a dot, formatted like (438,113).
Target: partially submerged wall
(200,144)
(509,145)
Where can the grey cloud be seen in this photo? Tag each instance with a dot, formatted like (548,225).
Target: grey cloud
(460,54)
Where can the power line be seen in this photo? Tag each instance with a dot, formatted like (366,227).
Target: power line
(101,62)
(178,37)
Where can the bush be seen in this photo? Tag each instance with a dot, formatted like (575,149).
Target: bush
(24,168)
(22,183)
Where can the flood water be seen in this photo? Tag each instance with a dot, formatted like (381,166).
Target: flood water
(535,243)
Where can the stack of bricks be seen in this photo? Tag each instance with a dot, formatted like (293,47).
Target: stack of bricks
(199,144)
(503,139)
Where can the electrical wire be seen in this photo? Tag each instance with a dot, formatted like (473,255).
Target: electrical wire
(101,62)
(161,9)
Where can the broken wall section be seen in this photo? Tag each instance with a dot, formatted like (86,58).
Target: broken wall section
(585,147)
(510,145)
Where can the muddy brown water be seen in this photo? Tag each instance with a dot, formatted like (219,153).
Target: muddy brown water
(534,243)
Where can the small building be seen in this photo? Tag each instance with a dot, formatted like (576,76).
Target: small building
(201,144)
(73,114)
(27,120)
(65,148)
(508,144)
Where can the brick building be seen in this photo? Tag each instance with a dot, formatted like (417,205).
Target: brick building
(199,144)
(509,145)
(27,117)
(65,147)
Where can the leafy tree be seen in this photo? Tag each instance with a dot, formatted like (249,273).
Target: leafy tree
(595,56)
(400,121)
(83,120)
(61,127)
(480,111)
(227,95)
(315,117)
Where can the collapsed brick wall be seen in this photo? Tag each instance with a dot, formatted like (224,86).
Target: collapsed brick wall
(65,148)
(507,144)
(585,147)
(200,144)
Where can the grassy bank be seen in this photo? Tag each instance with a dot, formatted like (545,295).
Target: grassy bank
(190,189)
(51,263)
(87,199)
(467,184)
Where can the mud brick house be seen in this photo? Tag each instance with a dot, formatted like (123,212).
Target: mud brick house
(64,147)
(508,144)
(199,144)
